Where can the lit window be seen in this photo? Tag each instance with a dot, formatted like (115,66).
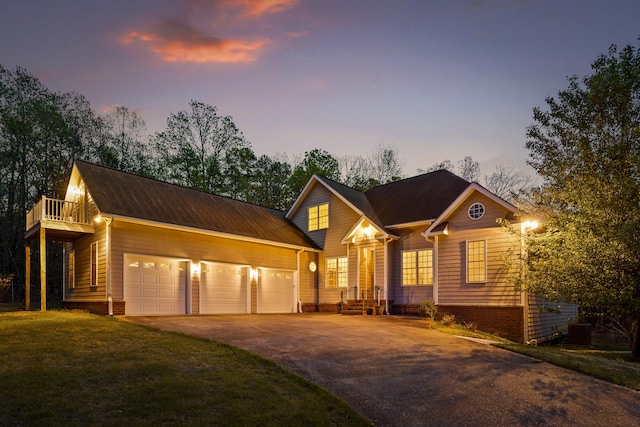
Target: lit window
(476,211)
(72,269)
(476,261)
(94,264)
(336,273)
(417,267)
(319,217)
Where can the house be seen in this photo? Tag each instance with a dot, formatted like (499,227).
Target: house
(138,246)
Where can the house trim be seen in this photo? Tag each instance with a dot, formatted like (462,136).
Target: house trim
(474,187)
(209,233)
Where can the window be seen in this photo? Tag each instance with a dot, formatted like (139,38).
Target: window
(476,211)
(336,273)
(94,264)
(417,267)
(476,261)
(72,269)
(319,217)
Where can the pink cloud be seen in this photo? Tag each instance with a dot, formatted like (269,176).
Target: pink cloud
(176,41)
(256,8)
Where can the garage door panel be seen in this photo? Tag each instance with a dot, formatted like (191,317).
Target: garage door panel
(276,292)
(154,286)
(223,289)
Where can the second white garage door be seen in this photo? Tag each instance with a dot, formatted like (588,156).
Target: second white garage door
(223,289)
(276,292)
(154,285)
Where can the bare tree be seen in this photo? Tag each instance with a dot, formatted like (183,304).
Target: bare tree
(507,182)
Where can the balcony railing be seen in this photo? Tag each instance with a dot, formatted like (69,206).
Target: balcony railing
(59,211)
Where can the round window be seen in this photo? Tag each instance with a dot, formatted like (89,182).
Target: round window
(476,211)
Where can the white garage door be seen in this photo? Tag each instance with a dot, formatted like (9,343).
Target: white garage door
(154,285)
(276,292)
(223,289)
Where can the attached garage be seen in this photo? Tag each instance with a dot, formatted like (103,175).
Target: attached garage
(276,292)
(223,289)
(154,285)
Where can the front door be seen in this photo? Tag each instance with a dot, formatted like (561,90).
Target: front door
(366,269)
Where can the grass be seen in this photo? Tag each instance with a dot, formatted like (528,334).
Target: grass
(612,366)
(605,362)
(75,368)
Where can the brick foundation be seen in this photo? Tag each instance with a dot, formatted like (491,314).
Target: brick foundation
(96,307)
(506,322)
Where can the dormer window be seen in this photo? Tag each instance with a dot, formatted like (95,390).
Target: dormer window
(476,211)
(319,217)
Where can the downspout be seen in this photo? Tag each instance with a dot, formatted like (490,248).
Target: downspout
(108,221)
(386,275)
(298,279)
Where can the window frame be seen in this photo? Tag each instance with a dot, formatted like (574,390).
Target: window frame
(478,207)
(71,278)
(340,273)
(415,270)
(471,277)
(93,265)
(318,215)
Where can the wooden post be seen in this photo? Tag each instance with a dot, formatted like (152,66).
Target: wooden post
(43,269)
(27,277)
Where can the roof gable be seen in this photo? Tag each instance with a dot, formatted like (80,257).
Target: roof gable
(353,198)
(439,224)
(131,196)
(420,198)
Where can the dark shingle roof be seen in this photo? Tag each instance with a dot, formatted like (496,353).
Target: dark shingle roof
(124,194)
(419,198)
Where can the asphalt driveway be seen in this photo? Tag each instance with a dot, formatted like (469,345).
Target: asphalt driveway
(396,372)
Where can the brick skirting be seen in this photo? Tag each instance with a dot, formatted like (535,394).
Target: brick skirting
(96,307)
(507,322)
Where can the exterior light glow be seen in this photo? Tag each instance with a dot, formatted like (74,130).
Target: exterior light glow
(195,269)
(97,219)
(253,273)
(529,225)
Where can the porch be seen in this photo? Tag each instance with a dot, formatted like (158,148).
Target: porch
(53,220)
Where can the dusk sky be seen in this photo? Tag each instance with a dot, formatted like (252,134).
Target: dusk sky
(437,79)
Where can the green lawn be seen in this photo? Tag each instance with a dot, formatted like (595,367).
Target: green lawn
(614,367)
(603,362)
(70,368)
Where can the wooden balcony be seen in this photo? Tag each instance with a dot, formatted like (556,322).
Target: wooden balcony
(64,221)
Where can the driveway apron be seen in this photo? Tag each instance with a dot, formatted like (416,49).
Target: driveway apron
(398,372)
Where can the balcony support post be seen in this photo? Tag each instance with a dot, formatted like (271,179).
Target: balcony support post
(43,269)
(27,277)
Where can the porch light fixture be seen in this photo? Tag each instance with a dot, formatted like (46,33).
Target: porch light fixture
(97,219)
(529,225)
(253,273)
(195,269)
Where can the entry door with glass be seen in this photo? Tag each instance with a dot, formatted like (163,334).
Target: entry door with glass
(366,270)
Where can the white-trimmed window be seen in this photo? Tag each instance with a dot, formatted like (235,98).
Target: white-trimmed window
(72,269)
(336,273)
(93,280)
(417,267)
(319,217)
(476,261)
(476,211)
